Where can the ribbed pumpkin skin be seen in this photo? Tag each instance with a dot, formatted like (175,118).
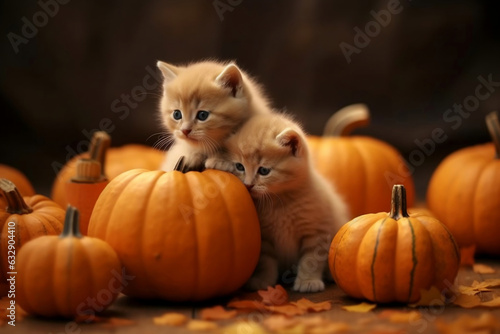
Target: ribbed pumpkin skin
(464,193)
(185,237)
(18,178)
(384,260)
(118,160)
(360,167)
(57,275)
(46,219)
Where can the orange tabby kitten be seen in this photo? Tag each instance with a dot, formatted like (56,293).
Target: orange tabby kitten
(202,104)
(299,211)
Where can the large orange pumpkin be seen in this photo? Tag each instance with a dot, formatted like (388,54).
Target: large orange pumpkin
(390,257)
(115,161)
(18,178)
(184,237)
(464,193)
(67,275)
(359,166)
(21,220)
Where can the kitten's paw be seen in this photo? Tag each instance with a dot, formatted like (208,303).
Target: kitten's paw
(260,282)
(308,285)
(219,164)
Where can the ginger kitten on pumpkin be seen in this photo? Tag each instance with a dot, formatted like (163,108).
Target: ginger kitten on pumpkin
(299,211)
(202,104)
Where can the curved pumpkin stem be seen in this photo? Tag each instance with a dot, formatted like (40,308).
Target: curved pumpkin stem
(100,143)
(15,201)
(398,202)
(88,171)
(71,223)
(494,128)
(347,119)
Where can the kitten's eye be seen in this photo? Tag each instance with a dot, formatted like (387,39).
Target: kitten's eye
(263,170)
(202,115)
(239,167)
(177,114)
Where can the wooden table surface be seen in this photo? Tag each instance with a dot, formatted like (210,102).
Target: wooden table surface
(141,313)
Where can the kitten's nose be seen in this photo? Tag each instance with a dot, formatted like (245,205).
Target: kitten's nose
(249,186)
(186,132)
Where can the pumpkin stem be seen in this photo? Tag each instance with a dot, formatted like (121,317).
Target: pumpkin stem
(98,147)
(71,223)
(398,202)
(88,171)
(15,202)
(347,119)
(494,128)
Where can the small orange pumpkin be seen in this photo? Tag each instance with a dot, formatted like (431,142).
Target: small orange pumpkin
(390,257)
(359,166)
(21,220)
(464,193)
(58,275)
(185,237)
(20,180)
(115,161)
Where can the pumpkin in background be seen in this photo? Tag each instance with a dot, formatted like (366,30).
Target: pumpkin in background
(21,220)
(185,237)
(18,178)
(115,161)
(390,257)
(464,193)
(58,275)
(359,166)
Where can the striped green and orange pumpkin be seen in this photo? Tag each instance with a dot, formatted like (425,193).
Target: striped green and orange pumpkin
(391,257)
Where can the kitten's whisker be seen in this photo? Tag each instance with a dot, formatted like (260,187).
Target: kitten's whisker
(163,142)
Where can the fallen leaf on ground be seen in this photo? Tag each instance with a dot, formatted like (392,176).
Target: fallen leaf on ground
(247,305)
(467,255)
(395,316)
(431,297)
(485,323)
(279,322)
(217,313)
(330,327)
(360,308)
(244,327)
(467,301)
(201,325)
(288,309)
(308,305)
(495,302)
(477,287)
(482,269)
(274,296)
(171,319)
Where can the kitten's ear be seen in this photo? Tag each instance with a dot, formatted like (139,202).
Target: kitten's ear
(231,78)
(290,137)
(169,71)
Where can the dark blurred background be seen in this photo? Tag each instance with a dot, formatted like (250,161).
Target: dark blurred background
(67,65)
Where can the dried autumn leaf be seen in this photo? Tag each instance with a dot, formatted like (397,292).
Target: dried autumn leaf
(431,297)
(244,327)
(467,255)
(467,301)
(482,269)
(485,323)
(247,305)
(279,322)
(288,309)
(201,325)
(477,287)
(217,313)
(495,302)
(274,296)
(171,319)
(308,305)
(400,316)
(360,308)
